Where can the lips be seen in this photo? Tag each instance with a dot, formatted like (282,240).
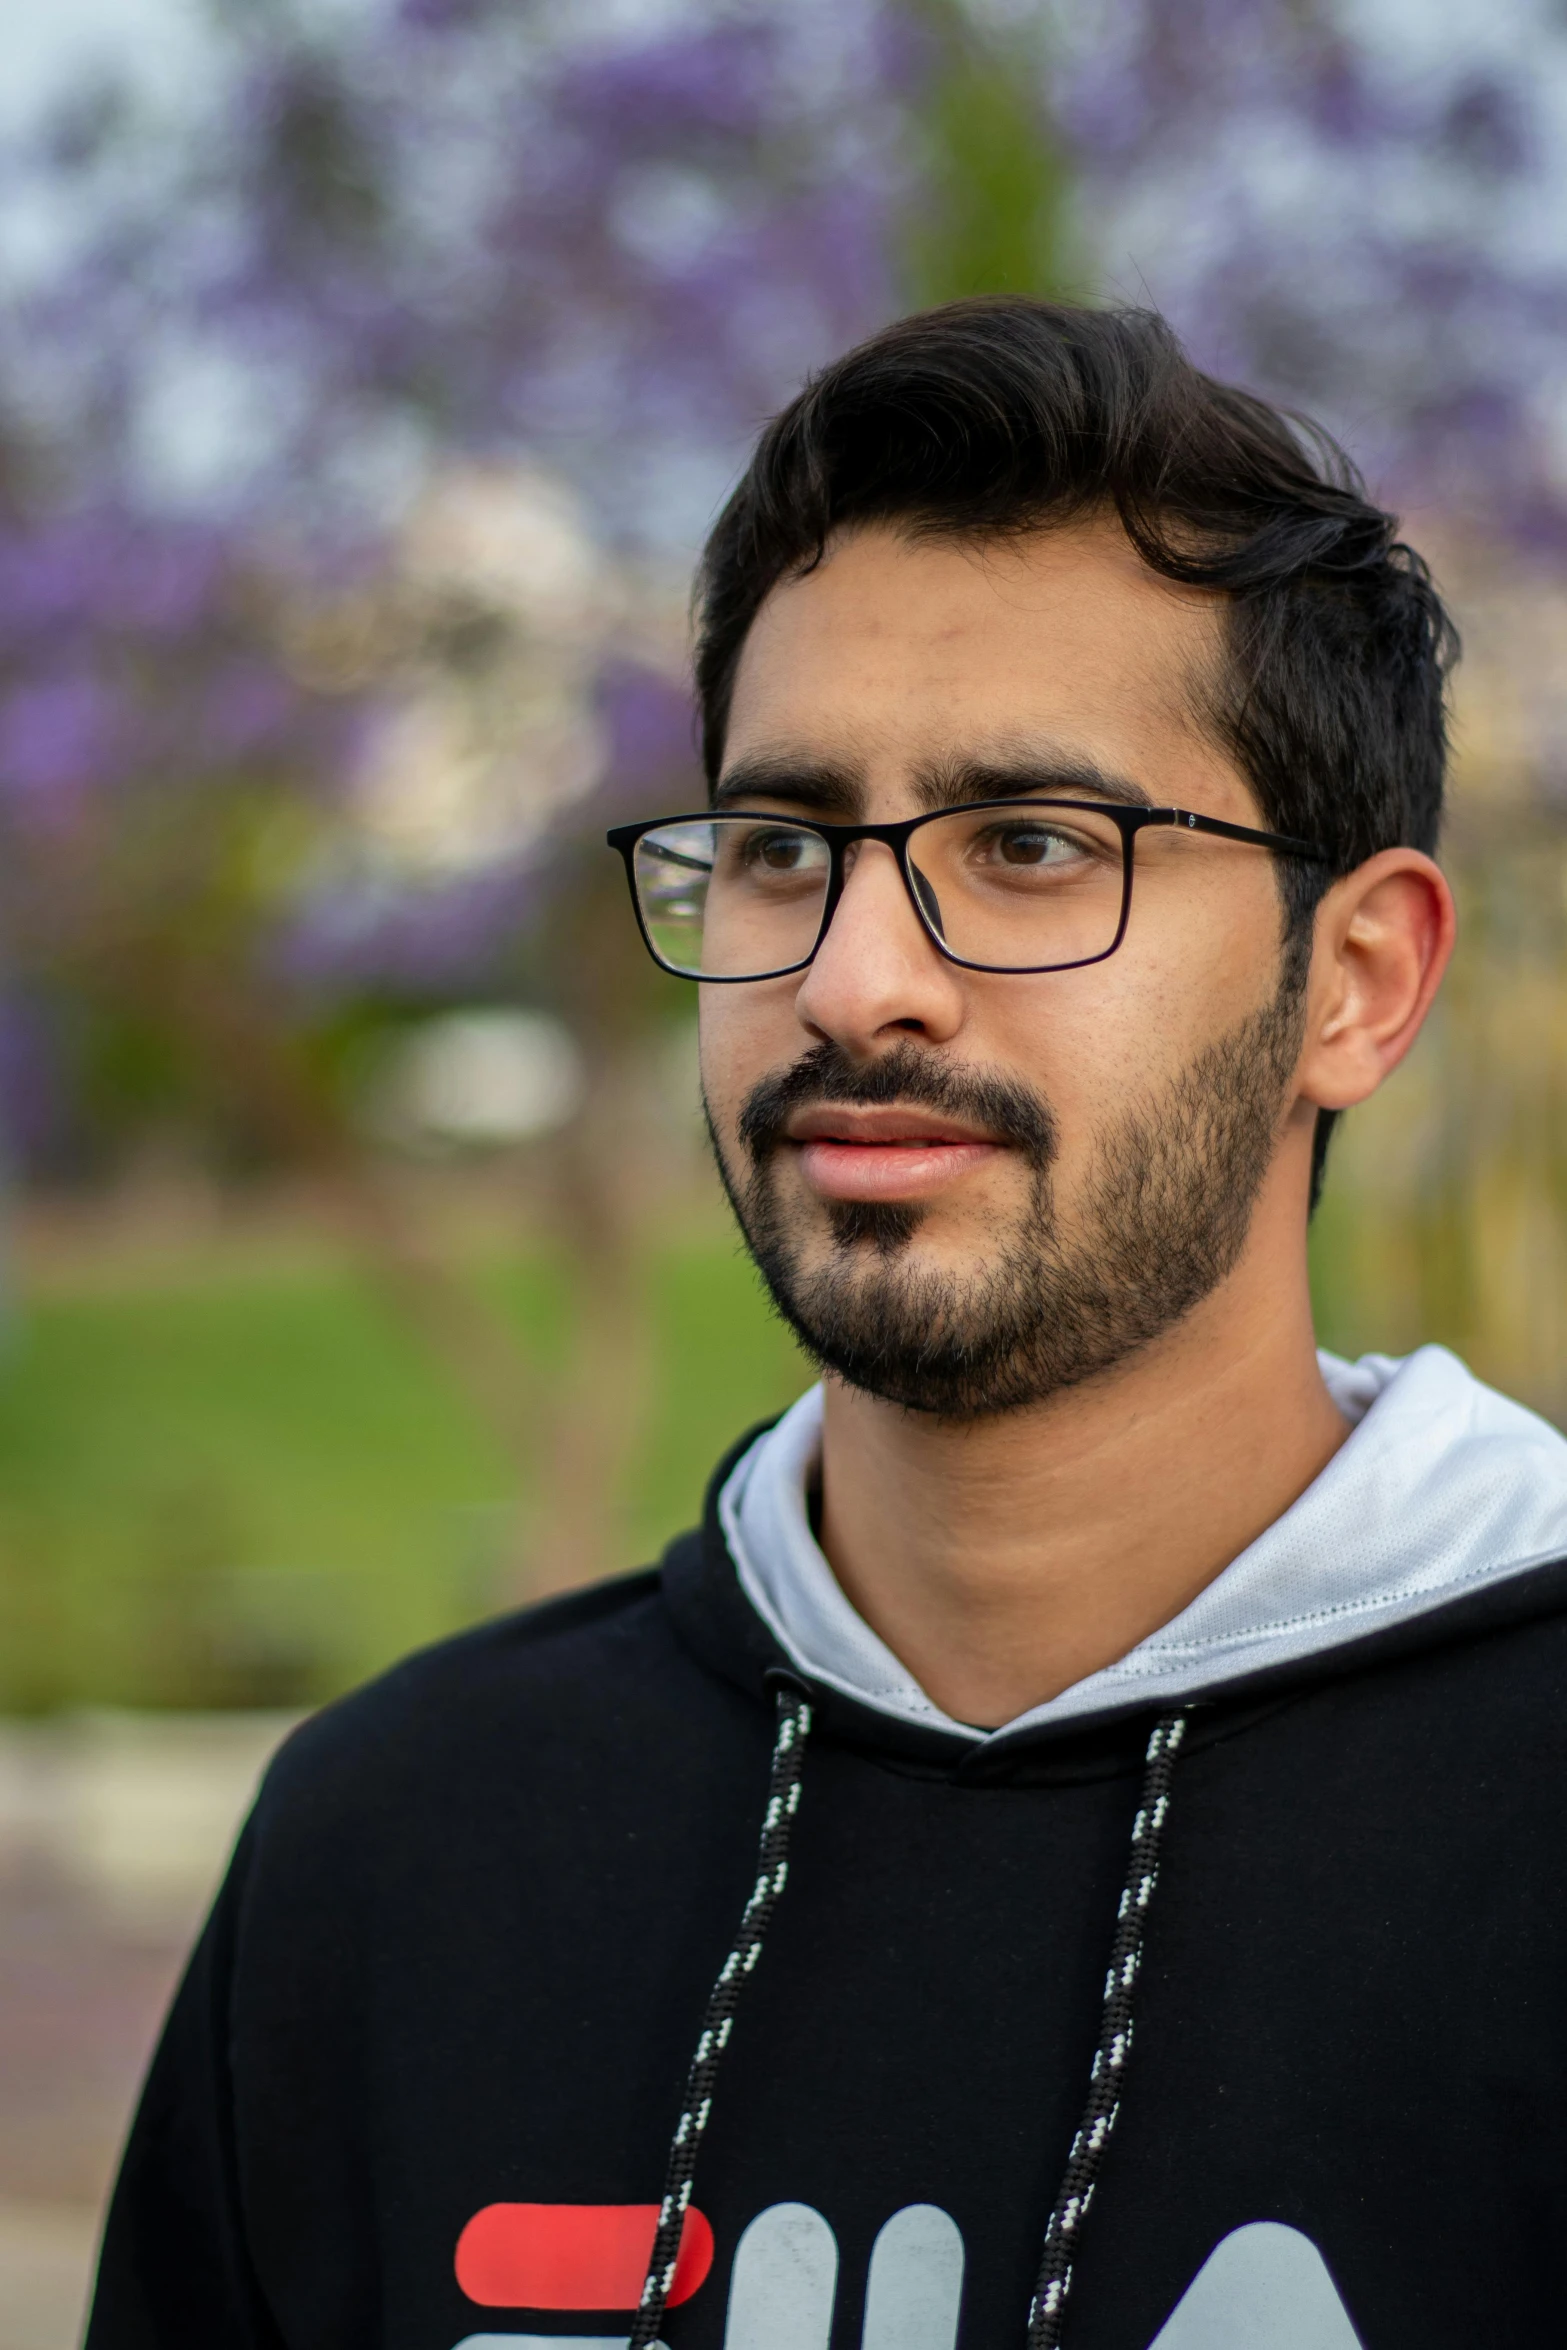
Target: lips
(848,1153)
(895,1124)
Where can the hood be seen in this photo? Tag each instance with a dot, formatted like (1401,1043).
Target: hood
(1443,1488)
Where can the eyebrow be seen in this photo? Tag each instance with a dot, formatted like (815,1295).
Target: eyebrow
(817,785)
(828,789)
(953,783)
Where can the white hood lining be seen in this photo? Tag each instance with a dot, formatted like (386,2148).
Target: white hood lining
(1443,1486)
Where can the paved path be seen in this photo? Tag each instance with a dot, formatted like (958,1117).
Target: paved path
(113,1831)
(80,2003)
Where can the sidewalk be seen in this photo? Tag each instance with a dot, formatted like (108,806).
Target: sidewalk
(113,1832)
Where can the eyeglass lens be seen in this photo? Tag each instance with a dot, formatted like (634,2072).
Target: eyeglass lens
(1019,889)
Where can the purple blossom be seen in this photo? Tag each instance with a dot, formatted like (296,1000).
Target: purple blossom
(248,708)
(59,738)
(371,934)
(1343,231)
(652,749)
(35,1102)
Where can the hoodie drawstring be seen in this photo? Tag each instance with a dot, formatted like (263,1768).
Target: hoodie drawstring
(1047,2313)
(783,1798)
(1048,2309)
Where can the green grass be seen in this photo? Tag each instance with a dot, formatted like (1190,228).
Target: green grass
(253,1486)
(231,1484)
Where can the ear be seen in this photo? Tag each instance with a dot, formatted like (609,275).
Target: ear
(1382,940)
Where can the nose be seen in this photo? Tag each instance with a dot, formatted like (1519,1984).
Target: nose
(876,975)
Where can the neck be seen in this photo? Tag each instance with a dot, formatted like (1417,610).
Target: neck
(1003,1560)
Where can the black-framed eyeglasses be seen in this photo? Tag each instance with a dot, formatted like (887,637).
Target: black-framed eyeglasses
(999,885)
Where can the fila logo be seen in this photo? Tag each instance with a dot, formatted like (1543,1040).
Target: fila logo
(781,2290)
(1263,2287)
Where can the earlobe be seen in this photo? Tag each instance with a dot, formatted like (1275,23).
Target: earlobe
(1383,938)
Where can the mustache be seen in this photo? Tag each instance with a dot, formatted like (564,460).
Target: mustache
(904,1073)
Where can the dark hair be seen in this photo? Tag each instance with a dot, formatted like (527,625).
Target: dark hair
(1000,415)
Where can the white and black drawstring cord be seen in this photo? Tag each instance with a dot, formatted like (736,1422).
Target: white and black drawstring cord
(1048,2310)
(783,1797)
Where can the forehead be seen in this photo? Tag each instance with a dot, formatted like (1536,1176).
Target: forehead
(897,653)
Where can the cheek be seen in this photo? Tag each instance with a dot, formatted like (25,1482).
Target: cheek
(1205,934)
(1094,1042)
(743,1035)
(1068,1039)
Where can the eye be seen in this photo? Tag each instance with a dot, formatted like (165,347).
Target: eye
(1033,846)
(775,851)
(1030,845)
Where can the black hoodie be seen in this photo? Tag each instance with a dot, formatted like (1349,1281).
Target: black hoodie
(420,2082)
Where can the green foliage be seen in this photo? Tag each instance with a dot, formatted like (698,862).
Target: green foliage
(249,1485)
(1445,1213)
(995,218)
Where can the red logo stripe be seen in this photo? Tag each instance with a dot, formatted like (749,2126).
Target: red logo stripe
(573,2255)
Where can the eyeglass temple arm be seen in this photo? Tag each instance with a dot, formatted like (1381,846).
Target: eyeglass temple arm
(1187,821)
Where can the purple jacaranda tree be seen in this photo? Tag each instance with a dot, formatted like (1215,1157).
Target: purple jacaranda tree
(1356,208)
(477,228)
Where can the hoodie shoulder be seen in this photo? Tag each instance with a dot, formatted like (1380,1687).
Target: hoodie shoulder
(598,1666)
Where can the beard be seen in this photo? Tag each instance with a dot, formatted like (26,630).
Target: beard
(1166,1207)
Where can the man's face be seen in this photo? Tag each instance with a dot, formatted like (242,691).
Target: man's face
(965,1189)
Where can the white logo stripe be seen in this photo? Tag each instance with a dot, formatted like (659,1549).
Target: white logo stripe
(916,2282)
(785,2277)
(1264,2287)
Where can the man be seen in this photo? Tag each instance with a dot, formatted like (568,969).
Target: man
(1158,1935)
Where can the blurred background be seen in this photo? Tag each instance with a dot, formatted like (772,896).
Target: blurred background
(370,371)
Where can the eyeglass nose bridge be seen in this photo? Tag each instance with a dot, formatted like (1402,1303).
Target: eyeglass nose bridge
(842,841)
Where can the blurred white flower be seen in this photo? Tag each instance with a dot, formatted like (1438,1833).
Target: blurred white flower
(479,1079)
